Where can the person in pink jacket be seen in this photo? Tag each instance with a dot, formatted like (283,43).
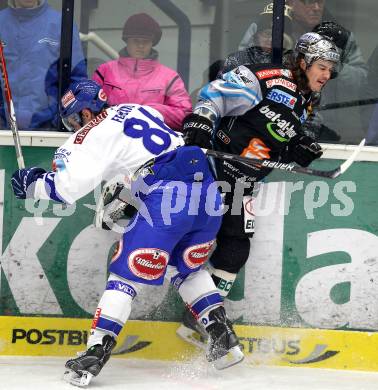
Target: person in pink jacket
(138,77)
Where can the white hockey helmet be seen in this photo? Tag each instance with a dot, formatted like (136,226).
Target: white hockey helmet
(314,47)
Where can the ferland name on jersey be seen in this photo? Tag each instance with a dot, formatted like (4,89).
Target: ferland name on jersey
(285,126)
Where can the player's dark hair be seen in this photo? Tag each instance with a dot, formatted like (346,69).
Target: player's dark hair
(299,74)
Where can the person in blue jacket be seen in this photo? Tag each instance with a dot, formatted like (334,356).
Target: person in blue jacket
(30,31)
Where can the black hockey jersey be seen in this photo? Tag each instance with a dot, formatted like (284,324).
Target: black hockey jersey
(256,110)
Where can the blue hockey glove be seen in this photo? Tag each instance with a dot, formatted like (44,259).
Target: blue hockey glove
(22,178)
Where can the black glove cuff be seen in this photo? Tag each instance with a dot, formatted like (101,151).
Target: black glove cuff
(195,121)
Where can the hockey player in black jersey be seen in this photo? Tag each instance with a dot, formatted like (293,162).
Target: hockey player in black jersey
(255,111)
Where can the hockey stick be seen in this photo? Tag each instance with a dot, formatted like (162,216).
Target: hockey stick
(10,109)
(288,167)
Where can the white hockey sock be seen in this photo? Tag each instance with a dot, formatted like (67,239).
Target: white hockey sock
(113,309)
(198,292)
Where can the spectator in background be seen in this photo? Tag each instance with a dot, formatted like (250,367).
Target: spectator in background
(260,33)
(30,30)
(338,124)
(256,45)
(312,15)
(138,77)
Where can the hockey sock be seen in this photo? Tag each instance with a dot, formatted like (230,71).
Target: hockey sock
(223,280)
(113,309)
(198,292)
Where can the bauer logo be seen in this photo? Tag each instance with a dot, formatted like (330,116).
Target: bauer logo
(196,255)
(148,263)
(50,336)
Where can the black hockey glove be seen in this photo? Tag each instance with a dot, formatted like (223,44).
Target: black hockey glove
(336,33)
(197,131)
(304,150)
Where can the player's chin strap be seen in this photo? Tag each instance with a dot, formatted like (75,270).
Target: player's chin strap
(289,167)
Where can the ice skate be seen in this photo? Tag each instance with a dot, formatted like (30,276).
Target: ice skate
(192,331)
(223,348)
(81,370)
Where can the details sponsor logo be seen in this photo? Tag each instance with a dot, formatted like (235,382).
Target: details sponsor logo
(196,255)
(50,336)
(117,251)
(256,149)
(68,98)
(60,159)
(282,83)
(80,136)
(72,338)
(148,263)
(131,344)
(286,348)
(267,73)
(318,354)
(58,165)
(262,345)
(281,97)
(280,129)
(248,206)
(242,75)
(223,137)
(102,95)
(96,318)
(303,116)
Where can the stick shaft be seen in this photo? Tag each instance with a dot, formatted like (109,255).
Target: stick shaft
(10,109)
(290,167)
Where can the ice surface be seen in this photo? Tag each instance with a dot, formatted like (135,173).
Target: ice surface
(29,373)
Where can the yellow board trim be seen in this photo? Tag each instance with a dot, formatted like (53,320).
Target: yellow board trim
(295,347)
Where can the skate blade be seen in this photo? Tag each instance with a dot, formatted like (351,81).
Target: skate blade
(234,356)
(191,337)
(81,379)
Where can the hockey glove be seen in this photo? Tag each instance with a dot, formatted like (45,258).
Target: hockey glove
(198,131)
(23,178)
(303,150)
(111,207)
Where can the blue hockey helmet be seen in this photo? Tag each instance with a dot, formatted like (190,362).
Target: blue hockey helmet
(80,95)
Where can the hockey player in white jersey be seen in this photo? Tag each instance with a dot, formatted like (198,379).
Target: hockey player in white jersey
(133,141)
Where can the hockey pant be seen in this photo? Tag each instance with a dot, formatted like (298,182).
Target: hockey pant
(174,246)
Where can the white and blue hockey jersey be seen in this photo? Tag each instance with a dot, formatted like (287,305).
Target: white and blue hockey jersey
(117,142)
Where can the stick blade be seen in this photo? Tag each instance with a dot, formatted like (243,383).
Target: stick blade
(347,163)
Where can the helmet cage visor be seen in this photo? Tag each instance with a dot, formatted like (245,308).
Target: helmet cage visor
(73,122)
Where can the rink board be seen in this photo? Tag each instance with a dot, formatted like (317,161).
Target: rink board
(313,267)
(352,350)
